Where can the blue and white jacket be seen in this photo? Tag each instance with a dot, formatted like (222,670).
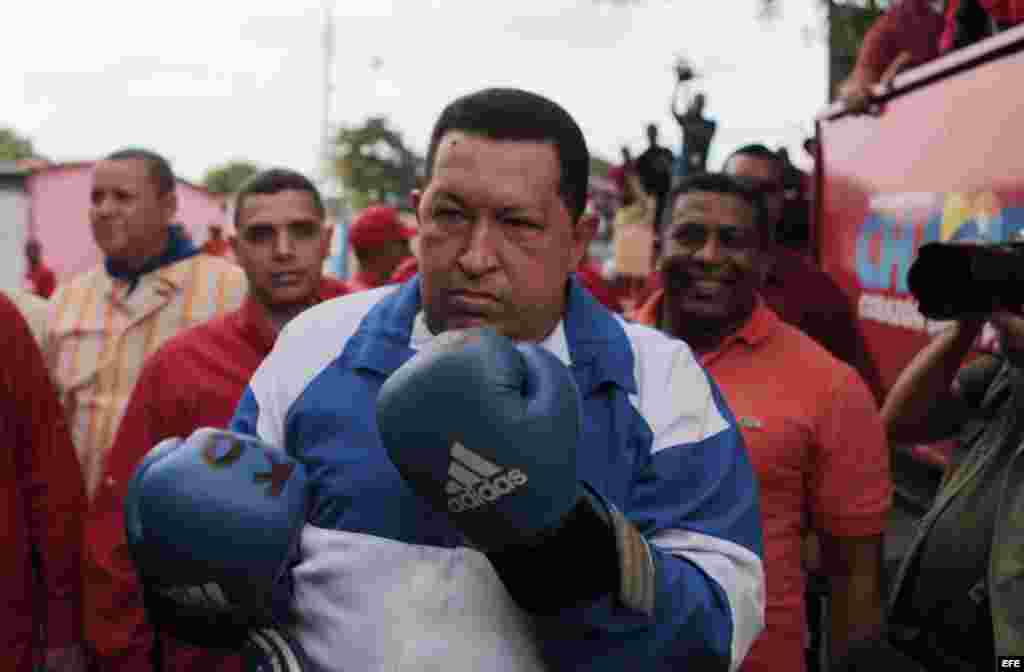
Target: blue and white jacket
(385,583)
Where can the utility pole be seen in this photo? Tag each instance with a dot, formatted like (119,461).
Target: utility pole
(328,95)
(333,192)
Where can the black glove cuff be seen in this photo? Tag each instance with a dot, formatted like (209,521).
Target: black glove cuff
(573,564)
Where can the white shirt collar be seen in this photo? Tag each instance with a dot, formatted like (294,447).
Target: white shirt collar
(556,343)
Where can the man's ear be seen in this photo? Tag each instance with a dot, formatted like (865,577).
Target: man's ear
(583,233)
(416,197)
(325,243)
(169,201)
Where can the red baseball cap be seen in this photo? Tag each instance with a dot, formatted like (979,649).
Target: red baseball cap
(378,225)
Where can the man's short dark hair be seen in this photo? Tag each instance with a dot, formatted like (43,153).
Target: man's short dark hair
(159,167)
(518,115)
(274,181)
(759,151)
(721,183)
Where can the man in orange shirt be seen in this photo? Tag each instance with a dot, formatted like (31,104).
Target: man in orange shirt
(809,421)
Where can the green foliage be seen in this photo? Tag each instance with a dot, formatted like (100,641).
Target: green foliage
(375,165)
(229,178)
(14,147)
(599,167)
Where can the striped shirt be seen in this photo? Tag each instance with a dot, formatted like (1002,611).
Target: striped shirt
(98,339)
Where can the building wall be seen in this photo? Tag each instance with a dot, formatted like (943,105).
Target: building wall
(14,207)
(59,216)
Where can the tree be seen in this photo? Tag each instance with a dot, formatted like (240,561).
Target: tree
(844,25)
(375,165)
(229,177)
(14,147)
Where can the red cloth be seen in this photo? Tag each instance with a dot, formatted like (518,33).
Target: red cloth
(1006,12)
(408,268)
(218,247)
(43,498)
(617,175)
(195,380)
(910,25)
(378,225)
(41,280)
(364,280)
(590,277)
(818,446)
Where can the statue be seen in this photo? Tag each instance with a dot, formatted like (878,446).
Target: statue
(697,130)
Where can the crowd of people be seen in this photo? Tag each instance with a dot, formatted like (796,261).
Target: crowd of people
(731,447)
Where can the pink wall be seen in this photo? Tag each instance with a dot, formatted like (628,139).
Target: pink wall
(59,215)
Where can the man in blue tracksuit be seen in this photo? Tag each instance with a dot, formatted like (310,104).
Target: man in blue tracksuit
(384,581)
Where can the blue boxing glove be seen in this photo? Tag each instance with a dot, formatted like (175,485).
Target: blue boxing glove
(487,431)
(213,524)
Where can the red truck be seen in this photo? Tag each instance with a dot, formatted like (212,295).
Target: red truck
(941,160)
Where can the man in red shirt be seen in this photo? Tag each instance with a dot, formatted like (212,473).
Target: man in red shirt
(381,242)
(39,278)
(798,291)
(810,424)
(216,244)
(43,498)
(195,380)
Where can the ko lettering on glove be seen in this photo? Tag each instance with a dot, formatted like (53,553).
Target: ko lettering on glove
(487,431)
(213,524)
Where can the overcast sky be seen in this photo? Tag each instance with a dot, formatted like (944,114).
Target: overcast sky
(205,82)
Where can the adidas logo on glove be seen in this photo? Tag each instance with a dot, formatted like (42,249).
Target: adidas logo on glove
(474,481)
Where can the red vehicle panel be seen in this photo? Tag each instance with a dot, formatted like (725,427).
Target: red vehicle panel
(940,162)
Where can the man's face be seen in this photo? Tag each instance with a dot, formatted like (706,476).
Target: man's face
(127,212)
(281,244)
(765,175)
(496,241)
(710,257)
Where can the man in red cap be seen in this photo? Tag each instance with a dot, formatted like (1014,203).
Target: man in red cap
(380,241)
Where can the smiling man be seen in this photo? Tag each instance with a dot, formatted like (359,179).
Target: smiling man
(654,544)
(196,380)
(814,434)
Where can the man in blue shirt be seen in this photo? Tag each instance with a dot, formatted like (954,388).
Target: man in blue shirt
(383,581)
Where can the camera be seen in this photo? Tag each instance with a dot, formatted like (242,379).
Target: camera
(953,280)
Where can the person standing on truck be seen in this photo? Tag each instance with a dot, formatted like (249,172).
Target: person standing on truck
(809,422)
(797,291)
(955,599)
(281,243)
(153,283)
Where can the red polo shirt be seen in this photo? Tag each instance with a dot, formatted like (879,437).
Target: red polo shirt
(42,497)
(195,380)
(819,449)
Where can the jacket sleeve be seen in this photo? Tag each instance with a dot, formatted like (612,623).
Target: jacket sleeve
(53,485)
(696,503)
(115,623)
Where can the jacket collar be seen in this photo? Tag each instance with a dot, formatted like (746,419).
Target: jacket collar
(255,323)
(589,338)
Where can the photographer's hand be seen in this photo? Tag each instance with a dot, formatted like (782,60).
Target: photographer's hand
(924,405)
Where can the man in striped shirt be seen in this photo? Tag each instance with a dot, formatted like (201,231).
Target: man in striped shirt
(153,283)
